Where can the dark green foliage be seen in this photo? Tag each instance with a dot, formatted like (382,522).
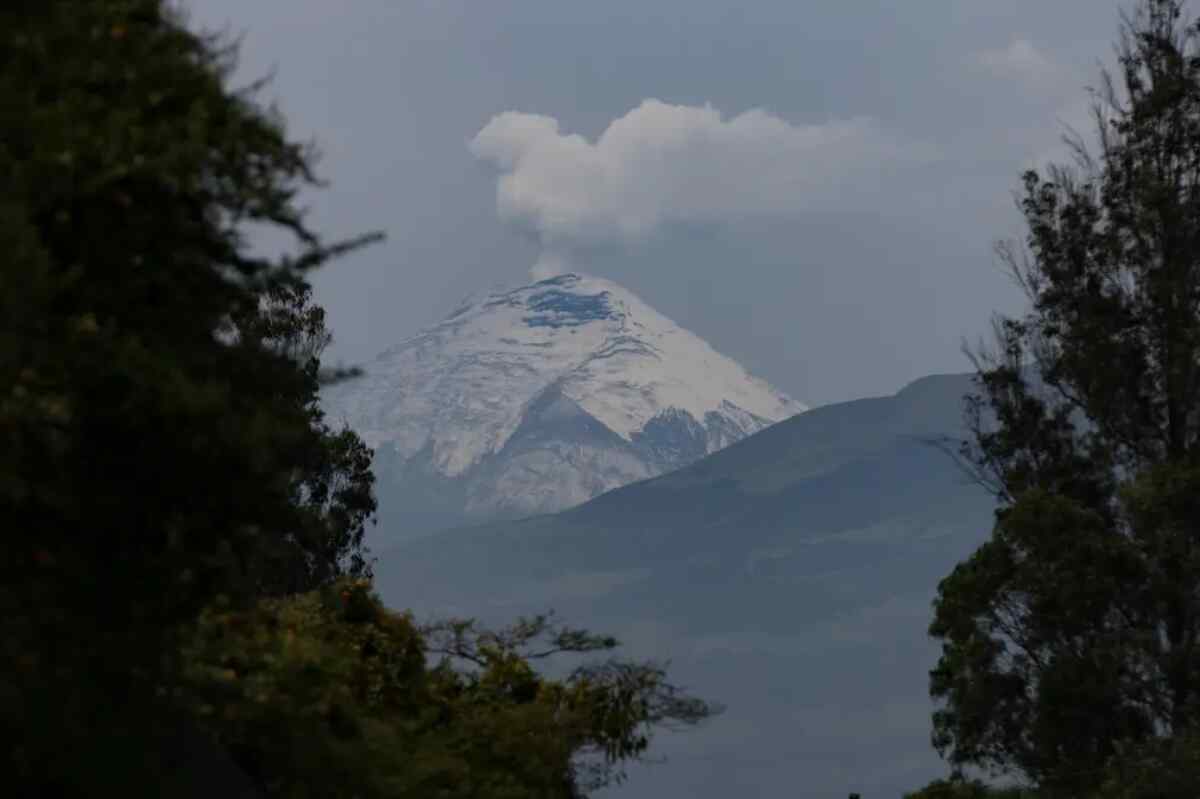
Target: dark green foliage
(966,789)
(328,694)
(183,580)
(1077,626)
(334,479)
(150,459)
(1160,769)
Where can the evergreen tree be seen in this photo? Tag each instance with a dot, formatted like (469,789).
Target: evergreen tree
(333,478)
(150,460)
(1075,629)
(183,558)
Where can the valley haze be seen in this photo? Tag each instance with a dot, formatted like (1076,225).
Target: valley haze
(787,576)
(561,446)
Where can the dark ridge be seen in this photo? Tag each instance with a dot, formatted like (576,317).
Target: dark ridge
(559,280)
(627,344)
(554,308)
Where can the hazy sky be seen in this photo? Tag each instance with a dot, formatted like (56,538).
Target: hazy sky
(814,187)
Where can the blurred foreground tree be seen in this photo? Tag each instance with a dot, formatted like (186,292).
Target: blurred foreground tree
(156,451)
(1158,769)
(332,479)
(1074,632)
(179,521)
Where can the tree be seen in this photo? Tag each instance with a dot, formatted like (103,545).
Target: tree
(330,694)
(182,557)
(966,789)
(1157,769)
(149,461)
(1075,629)
(605,712)
(333,478)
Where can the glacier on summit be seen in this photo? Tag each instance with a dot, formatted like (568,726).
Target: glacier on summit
(537,398)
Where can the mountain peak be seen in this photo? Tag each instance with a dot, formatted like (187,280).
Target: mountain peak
(561,301)
(457,393)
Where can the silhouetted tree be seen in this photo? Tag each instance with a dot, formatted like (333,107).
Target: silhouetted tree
(333,473)
(967,789)
(1077,625)
(150,460)
(182,558)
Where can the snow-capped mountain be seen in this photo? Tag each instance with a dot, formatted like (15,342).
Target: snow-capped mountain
(538,398)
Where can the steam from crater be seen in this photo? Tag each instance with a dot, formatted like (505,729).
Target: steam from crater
(661,163)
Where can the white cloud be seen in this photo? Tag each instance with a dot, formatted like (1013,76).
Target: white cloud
(663,163)
(1020,60)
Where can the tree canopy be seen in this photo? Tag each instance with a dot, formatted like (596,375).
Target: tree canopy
(183,531)
(1073,633)
(330,694)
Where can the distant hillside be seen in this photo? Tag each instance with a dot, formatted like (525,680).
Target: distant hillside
(788,575)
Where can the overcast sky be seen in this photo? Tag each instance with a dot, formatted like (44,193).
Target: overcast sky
(813,187)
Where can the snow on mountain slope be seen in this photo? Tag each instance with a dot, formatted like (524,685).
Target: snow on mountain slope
(501,393)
